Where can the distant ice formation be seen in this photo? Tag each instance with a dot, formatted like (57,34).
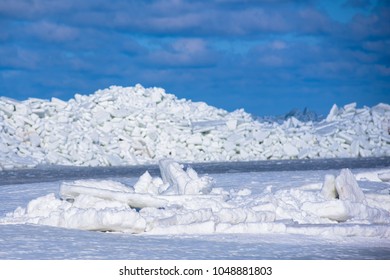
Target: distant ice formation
(137,125)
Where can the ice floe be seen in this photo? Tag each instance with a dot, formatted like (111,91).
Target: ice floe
(181,201)
(135,125)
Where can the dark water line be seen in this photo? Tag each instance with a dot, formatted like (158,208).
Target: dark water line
(57,173)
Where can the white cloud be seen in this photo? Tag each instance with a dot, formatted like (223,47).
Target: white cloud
(184,52)
(52,32)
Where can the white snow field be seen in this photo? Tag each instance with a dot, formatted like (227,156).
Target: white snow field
(137,125)
(332,214)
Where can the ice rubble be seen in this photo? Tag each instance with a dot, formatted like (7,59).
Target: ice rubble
(182,202)
(133,125)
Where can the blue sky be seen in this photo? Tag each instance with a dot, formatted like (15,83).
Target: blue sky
(266,56)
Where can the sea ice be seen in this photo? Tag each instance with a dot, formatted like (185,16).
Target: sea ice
(137,125)
(181,201)
(347,187)
(329,190)
(183,182)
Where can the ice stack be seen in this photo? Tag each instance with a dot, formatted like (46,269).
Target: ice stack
(181,202)
(352,132)
(135,125)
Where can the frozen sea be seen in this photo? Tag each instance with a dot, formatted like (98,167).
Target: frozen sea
(23,241)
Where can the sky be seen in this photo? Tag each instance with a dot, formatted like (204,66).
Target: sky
(267,56)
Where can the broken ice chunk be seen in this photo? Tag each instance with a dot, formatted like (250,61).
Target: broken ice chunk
(344,187)
(348,188)
(384,176)
(183,182)
(329,188)
(147,184)
(333,113)
(143,184)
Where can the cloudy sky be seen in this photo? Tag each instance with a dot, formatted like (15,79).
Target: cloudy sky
(266,56)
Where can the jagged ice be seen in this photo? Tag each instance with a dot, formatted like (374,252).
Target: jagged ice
(137,125)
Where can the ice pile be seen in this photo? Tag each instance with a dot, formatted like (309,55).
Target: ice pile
(182,202)
(135,125)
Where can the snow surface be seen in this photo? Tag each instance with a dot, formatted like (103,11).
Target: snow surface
(257,215)
(137,125)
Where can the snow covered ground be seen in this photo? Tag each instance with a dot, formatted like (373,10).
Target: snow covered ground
(296,232)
